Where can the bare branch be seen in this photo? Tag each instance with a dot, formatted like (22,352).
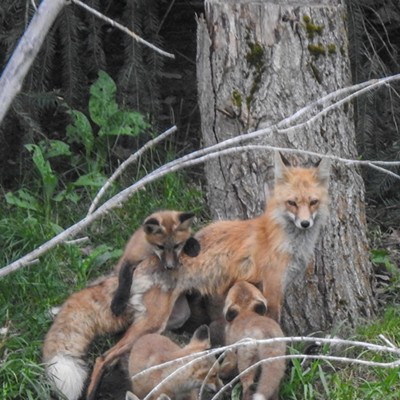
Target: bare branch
(122,28)
(319,107)
(131,159)
(246,342)
(29,45)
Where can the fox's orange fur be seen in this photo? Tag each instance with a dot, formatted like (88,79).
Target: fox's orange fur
(154,349)
(88,313)
(164,233)
(83,316)
(260,250)
(245,309)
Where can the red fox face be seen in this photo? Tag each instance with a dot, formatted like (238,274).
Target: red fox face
(302,193)
(169,233)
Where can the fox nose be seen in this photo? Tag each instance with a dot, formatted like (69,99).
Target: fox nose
(305,224)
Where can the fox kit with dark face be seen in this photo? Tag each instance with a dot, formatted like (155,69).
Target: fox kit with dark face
(245,312)
(154,349)
(165,234)
(87,313)
(263,251)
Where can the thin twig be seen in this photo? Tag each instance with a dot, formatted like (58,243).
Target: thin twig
(131,159)
(198,157)
(122,28)
(246,342)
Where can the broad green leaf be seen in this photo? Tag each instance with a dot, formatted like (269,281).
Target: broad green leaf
(128,123)
(102,103)
(49,179)
(22,199)
(93,179)
(54,148)
(80,131)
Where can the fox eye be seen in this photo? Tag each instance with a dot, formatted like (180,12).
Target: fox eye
(314,202)
(159,247)
(292,203)
(177,246)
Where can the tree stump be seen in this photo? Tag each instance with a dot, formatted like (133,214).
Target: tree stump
(257,63)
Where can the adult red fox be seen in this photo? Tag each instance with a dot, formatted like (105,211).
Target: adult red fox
(165,234)
(87,313)
(260,250)
(154,349)
(245,312)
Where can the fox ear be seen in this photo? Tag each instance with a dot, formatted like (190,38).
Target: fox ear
(192,247)
(281,164)
(202,333)
(185,219)
(323,168)
(163,396)
(152,226)
(130,396)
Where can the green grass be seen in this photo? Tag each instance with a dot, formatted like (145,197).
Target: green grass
(27,295)
(323,380)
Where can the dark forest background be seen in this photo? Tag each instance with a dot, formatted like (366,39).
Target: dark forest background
(80,45)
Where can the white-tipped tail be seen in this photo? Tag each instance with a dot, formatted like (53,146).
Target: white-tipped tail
(68,375)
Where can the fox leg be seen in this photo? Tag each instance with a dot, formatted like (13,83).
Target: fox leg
(246,357)
(123,292)
(158,306)
(273,286)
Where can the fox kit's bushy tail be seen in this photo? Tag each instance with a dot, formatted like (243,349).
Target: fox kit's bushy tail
(83,316)
(68,374)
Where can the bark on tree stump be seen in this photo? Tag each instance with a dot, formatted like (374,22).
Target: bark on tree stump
(257,63)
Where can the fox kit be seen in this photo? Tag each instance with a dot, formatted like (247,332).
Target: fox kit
(84,315)
(87,313)
(260,250)
(154,349)
(245,310)
(165,234)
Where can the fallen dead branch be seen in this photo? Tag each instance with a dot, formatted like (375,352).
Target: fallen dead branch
(307,115)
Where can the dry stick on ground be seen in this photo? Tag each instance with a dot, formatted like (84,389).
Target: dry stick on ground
(188,360)
(202,156)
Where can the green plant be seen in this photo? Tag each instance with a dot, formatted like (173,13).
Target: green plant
(323,380)
(109,120)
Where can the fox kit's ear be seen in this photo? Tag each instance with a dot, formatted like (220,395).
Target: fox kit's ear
(192,247)
(202,333)
(185,219)
(163,396)
(281,165)
(152,226)
(323,168)
(231,314)
(130,396)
